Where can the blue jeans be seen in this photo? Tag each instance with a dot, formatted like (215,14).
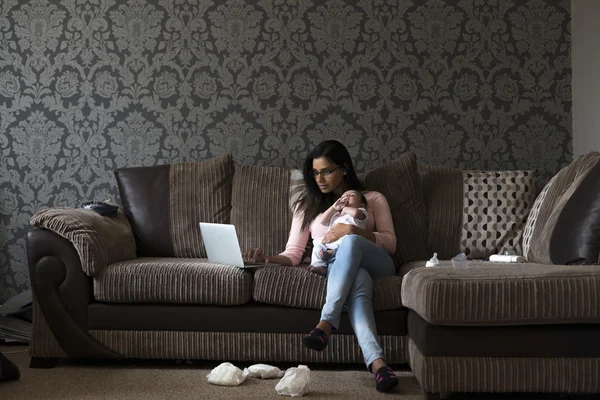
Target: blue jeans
(350,280)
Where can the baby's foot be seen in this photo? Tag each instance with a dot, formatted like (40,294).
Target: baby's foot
(318,270)
(325,254)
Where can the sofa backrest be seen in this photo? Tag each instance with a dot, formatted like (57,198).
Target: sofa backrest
(479,213)
(398,180)
(165,203)
(259,207)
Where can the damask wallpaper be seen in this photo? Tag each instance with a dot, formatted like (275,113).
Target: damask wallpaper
(87,86)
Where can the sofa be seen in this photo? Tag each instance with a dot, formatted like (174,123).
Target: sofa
(138,285)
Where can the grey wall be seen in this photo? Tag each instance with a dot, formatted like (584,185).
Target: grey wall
(586,79)
(87,87)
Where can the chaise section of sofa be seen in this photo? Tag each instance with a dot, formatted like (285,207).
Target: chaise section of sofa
(504,328)
(496,327)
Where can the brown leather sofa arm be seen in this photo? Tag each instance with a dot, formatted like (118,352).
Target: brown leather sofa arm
(63,292)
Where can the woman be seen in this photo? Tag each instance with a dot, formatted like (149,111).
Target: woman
(363,255)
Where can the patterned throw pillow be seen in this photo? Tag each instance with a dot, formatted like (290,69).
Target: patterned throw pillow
(495,207)
(564,224)
(479,213)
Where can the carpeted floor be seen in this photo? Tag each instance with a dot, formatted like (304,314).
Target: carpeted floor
(170,380)
(134,380)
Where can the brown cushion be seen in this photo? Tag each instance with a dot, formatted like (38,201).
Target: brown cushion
(479,213)
(400,183)
(99,240)
(259,207)
(564,224)
(173,280)
(165,204)
(499,294)
(296,287)
(443,195)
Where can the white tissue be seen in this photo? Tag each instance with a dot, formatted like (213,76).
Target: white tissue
(227,374)
(295,382)
(264,371)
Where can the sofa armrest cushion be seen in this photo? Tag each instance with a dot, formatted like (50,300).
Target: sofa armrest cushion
(99,240)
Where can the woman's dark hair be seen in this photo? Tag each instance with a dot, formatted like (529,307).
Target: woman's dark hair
(314,202)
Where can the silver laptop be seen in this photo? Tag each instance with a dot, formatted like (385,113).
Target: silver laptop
(222,246)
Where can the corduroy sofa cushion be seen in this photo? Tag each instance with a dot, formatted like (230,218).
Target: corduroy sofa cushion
(499,294)
(173,280)
(99,240)
(296,287)
(399,182)
(165,203)
(259,207)
(479,213)
(563,226)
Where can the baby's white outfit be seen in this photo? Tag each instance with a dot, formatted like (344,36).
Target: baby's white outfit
(337,218)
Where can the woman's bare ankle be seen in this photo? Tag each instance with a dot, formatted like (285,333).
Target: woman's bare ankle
(375,365)
(325,327)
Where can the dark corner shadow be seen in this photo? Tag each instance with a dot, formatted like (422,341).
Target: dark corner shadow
(521,396)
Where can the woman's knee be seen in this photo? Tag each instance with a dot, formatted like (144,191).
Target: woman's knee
(351,242)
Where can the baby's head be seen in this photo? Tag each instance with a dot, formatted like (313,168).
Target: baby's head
(355,199)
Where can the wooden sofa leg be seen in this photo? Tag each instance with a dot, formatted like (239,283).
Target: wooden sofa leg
(43,363)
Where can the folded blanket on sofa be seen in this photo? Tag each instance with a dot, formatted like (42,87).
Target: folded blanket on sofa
(99,240)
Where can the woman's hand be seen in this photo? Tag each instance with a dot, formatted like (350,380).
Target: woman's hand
(255,255)
(337,231)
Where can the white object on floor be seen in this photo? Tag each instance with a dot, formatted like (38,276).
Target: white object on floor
(227,374)
(264,371)
(506,258)
(433,261)
(295,382)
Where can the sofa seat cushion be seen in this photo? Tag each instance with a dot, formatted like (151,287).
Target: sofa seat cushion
(499,294)
(296,287)
(173,280)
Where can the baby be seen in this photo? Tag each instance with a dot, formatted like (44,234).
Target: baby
(350,208)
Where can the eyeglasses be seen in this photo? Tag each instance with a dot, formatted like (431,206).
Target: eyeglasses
(324,172)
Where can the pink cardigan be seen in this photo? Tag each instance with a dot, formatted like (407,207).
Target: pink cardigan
(380,222)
